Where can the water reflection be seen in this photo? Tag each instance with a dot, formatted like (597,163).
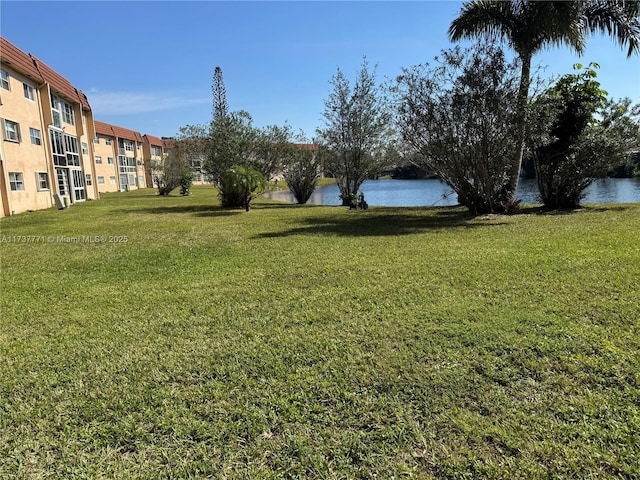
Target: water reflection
(431,192)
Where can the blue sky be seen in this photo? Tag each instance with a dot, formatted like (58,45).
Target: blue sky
(148,65)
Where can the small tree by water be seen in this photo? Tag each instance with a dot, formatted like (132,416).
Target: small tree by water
(301,171)
(570,149)
(458,116)
(355,132)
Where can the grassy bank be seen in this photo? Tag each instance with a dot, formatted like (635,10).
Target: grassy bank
(147,337)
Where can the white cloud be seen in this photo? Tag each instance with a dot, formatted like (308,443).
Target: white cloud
(130,103)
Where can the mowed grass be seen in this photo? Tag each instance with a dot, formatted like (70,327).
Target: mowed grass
(315,342)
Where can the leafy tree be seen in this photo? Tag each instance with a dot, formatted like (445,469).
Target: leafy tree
(173,173)
(622,119)
(231,150)
(230,138)
(301,171)
(191,144)
(239,185)
(531,26)
(570,148)
(186,182)
(230,141)
(272,145)
(355,131)
(458,116)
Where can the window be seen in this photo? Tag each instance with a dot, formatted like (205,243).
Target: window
(71,148)
(107,141)
(42,179)
(29,92)
(100,180)
(34,134)
(96,140)
(59,158)
(110,160)
(128,162)
(67,113)
(12,131)
(4,80)
(55,111)
(15,181)
(141,180)
(98,160)
(79,192)
(85,149)
(61,109)
(112,180)
(89,181)
(63,181)
(156,151)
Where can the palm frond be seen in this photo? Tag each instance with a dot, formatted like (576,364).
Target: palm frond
(487,18)
(555,24)
(618,19)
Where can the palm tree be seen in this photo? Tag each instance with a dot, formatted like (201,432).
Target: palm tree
(530,26)
(240,185)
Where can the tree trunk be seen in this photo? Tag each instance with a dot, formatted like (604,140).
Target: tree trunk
(521,125)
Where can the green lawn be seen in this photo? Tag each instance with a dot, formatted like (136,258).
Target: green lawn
(317,342)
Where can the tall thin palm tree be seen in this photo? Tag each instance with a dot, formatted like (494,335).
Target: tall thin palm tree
(531,26)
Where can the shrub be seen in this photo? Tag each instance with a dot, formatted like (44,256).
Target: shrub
(239,185)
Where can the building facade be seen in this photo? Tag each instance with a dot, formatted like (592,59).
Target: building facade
(52,151)
(47,126)
(153,154)
(119,158)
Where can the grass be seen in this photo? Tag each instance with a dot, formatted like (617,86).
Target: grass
(315,342)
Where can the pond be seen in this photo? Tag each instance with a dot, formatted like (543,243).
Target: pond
(432,192)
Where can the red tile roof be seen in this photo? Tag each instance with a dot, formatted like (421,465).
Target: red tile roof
(168,143)
(103,128)
(127,134)
(61,84)
(151,140)
(18,60)
(33,68)
(107,129)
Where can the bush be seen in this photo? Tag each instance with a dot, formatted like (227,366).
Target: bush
(239,185)
(569,149)
(301,173)
(173,173)
(459,117)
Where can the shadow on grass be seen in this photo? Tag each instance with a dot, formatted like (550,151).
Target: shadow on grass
(589,207)
(195,210)
(383,222)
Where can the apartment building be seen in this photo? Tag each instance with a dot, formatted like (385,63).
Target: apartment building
(46,125)
(104,158)
(118,158)
(153,154)
(131,174)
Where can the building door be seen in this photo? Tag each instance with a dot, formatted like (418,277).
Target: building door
(79,192)
(63,181)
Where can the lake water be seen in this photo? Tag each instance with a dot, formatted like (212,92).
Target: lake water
(432,192)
